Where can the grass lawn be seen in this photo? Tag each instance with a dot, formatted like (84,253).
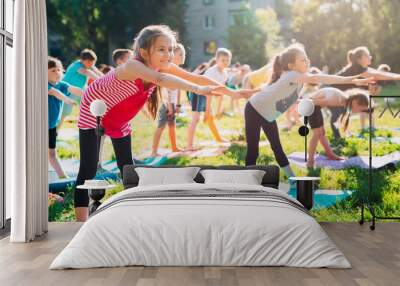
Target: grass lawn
(386,190)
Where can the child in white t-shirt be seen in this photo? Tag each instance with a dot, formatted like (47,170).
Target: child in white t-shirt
(170,105)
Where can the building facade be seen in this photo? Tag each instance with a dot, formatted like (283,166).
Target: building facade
(207,23)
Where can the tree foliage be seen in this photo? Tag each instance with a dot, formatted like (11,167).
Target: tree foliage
(255,37)
(328,29)
(105,25)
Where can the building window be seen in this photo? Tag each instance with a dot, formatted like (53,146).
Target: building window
(238,17)
(209,22)
(208,2)
(6,45)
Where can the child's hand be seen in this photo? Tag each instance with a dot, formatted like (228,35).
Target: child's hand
(208,90)
(363,81)
(247,93)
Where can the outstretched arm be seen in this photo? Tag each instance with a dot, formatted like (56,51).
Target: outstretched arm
(381,75)
(325,79)
(76,91)
(89,73)
(61,96)
(204,80)
(134,69)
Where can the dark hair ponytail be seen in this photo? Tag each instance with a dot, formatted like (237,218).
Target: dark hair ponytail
(344,120)
(354,95)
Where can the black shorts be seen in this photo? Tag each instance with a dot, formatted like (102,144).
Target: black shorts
(316,119)
(52,138)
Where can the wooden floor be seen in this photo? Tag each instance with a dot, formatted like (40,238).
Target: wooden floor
(375,257)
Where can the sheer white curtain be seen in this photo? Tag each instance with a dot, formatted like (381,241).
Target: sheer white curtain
(27,123)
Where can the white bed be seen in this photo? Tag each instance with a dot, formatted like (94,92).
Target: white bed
(223,225)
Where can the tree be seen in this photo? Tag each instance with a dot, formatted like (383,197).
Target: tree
(254,37)
(329,29)
(105,25)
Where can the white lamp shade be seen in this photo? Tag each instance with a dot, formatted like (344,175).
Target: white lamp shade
(98,107)
(305,107)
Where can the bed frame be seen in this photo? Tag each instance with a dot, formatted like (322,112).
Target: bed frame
(270,179)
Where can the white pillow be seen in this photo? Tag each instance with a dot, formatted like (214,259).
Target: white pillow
(166,176)
(248,177)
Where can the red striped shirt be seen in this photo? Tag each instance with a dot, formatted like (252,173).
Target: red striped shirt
(123,98)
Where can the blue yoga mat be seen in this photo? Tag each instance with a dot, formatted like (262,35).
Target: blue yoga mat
(325,198)
(110,171)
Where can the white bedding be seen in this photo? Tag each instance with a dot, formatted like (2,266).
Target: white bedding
(183,231)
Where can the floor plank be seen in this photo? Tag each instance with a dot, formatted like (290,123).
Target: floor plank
(374,255)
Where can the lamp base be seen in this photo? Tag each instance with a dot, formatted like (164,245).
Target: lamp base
(96,195)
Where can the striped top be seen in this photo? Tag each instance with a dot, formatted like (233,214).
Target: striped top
(123,98)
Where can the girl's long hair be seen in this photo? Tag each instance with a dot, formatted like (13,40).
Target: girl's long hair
(281,61)
(354,95)
(145,40)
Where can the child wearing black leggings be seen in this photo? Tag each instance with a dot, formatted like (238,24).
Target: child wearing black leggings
(290,72)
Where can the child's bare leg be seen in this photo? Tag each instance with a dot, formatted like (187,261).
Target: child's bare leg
(156,141)
(192,129)
(81,214)
(55,164)
(172,137)
(327,147)
(312,147)
(214,131)
(220,107)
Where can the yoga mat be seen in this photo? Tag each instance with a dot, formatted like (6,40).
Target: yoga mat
(325,198)
(394,140)
(206,152)
(321,161)
(110,171)
(71,167)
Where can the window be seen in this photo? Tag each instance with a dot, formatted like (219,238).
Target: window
(6,44)
(209,22)
(208,2)
(238,17)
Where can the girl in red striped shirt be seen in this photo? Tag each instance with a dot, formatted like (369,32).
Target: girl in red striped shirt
(125,90)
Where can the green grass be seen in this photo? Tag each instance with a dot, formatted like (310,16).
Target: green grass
(386,189)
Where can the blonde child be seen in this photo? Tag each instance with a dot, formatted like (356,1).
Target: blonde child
(169,107)
(219,72)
